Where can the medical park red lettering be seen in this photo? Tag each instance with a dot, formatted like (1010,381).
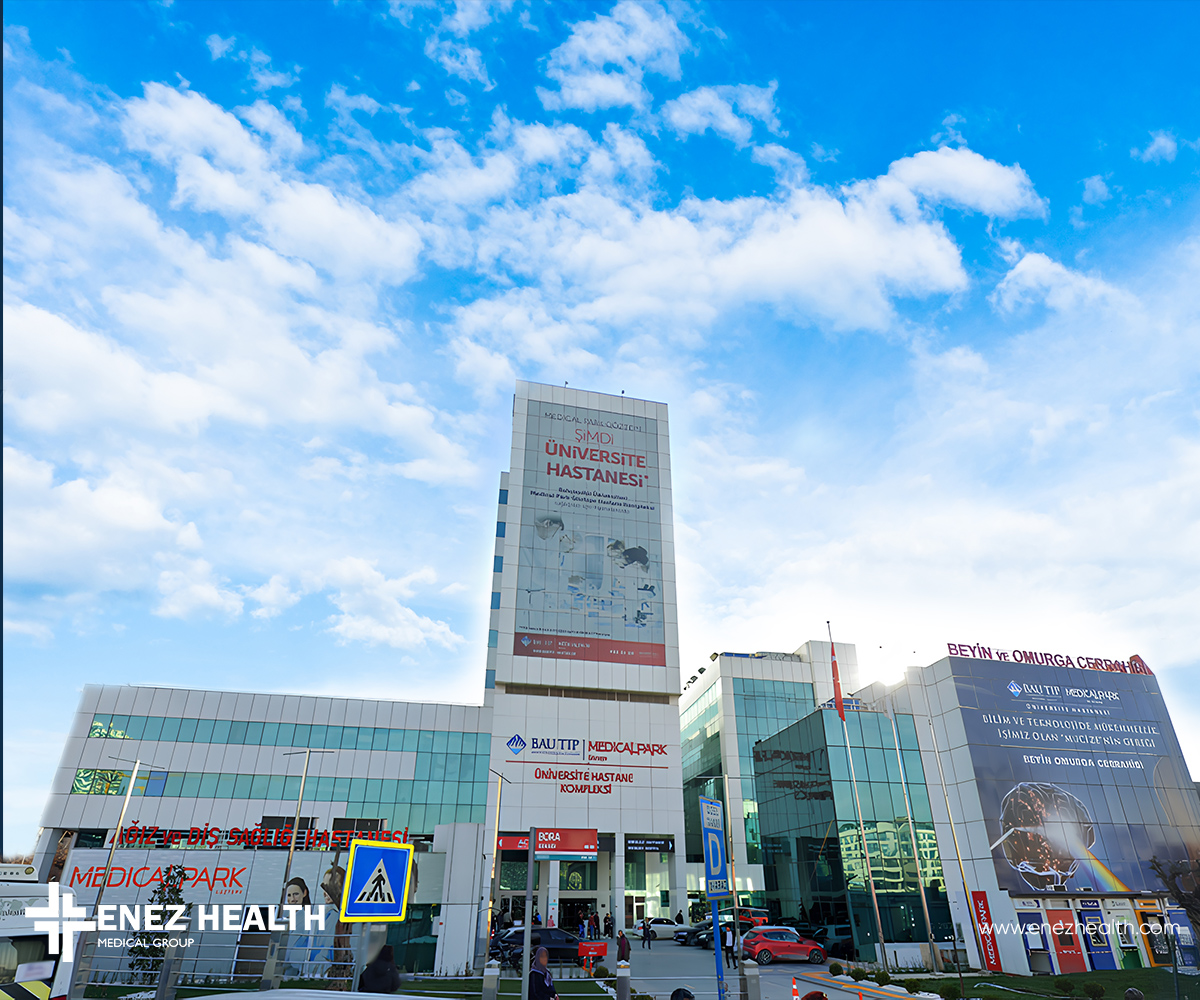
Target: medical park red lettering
(605,746)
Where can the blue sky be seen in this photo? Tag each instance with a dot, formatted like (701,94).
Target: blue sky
(918,281)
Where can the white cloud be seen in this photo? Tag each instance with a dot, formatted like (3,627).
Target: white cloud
(273,597)
(790,168)
(603,62)
(823,155)
(1095,191)
(37,631)
(263,76)
(713,107)
(962,178)
(218,46)
(78,534)
(189,587)
(1162,146)
(372,610)
(447,44)
(1037,278)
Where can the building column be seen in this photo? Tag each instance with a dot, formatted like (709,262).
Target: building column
(618,884)
(678,871)
(542,902)
(552,877)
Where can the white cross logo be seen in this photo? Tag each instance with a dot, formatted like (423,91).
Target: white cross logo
(65,921)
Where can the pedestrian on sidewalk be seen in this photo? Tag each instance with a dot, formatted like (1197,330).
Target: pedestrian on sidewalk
(623,947)
(730,940)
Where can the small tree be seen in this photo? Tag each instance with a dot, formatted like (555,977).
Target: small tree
(1094,990)
(1064,985)
(949,991)
(1182,879)
(147,954)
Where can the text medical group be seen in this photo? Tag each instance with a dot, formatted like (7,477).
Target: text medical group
(1134,665)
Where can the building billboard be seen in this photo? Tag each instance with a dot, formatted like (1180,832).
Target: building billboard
(590,564)
(1080,776)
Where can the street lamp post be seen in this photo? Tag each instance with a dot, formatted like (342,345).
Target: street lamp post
(729,849)
(500,779)
(271,975)
(82,966)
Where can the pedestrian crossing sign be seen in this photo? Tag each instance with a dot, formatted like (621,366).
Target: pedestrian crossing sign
(377,879)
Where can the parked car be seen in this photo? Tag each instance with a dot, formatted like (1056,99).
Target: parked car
(562,946)
(687,934)
(659,927)
(754,914)
(704,937)
(766,944)
(836,939)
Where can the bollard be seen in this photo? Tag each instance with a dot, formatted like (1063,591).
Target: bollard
(622,981)
(748,973)
(491,980)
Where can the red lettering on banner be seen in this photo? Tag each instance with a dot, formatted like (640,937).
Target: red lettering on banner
(987,934)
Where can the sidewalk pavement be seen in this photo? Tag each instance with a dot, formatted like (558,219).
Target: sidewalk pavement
(660,970)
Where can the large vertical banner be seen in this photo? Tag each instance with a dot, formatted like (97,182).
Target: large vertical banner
(1080,775)
(590,570)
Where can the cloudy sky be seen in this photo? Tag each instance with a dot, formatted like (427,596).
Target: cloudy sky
(920,283)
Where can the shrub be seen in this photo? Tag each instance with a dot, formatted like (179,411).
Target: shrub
(858,975)
(949,991)
(835,969)
(882,978)
(913,986)
(1094,990)
(1064,985)
(601,972)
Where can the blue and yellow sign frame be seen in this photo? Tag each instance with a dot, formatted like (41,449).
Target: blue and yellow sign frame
(365,857)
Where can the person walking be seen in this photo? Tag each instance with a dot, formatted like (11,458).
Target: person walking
(647,934)
(679,917)
(541,983)
(608,925)
(623,947)
(594,926)
(730,940)
(381,975)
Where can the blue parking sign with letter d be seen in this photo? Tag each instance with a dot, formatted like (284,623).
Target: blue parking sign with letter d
(716,865)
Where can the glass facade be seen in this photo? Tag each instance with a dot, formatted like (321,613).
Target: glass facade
(762,708)
(700,740)
(813,860)
(449,783)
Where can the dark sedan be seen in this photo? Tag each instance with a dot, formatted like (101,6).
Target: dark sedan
(562,947)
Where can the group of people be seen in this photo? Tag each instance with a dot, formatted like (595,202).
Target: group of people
(591,926)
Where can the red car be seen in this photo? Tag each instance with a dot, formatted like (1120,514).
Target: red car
(768,944)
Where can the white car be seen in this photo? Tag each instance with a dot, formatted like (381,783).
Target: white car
(661,928)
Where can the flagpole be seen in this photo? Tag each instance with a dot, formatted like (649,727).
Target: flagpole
(862,829)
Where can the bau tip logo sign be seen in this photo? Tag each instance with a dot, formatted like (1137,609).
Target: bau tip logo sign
(1014,689)
(516,744)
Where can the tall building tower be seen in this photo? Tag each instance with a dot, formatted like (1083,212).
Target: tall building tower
(584,657)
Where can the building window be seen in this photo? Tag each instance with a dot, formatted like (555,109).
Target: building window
(489,679)
(495,600)
(499,529)
(498,564)
(504,496)
(493,641)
